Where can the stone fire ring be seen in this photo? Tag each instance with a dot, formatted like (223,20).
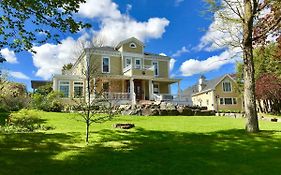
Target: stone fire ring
(124,125)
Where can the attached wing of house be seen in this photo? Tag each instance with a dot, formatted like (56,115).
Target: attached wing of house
(217,94)
(125,72)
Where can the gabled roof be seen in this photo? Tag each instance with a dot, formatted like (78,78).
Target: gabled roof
(209,85)
(132,39)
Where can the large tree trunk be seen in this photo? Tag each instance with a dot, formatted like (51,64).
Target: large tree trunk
(249,80)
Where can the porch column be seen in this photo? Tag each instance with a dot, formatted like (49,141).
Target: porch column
(179,90)
(150,89)
(132,91)
(122,86)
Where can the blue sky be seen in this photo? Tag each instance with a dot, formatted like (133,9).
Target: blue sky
(176,28)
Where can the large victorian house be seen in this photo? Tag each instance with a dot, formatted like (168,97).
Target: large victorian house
(125,72)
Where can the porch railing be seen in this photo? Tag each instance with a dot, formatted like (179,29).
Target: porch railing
(117,95)
(171,98)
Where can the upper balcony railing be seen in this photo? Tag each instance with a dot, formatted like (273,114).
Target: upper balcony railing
(138,67)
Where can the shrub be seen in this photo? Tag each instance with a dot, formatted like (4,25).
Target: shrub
(50,102)
(24,120)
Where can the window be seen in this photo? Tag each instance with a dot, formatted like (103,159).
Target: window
(64,88)
(221,101)
(105,87)
(105,65)
(133,45)
(128,62)
(234,101)
(156,68)
(226,86)
(207,102)
(78,89)
(156,88)
(137,63)
(228,101)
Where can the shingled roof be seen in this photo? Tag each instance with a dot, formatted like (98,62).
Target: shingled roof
(210,85)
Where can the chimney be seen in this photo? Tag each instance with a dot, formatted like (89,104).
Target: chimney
(201,83)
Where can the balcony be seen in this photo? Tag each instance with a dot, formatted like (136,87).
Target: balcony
(146,70)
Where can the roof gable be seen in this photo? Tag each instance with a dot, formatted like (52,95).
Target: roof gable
(129,40)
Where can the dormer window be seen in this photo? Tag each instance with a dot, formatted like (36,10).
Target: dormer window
(133,45)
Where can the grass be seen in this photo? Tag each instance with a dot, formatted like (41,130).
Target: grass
(157,145)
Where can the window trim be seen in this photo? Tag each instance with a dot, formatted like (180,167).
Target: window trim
(157,68)
(60,81)
(108,64)
(230,86)
(132,45)
(231,101)
(78,86)
(127,58)
(138,59)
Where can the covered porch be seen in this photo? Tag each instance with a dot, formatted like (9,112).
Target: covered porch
(137,88)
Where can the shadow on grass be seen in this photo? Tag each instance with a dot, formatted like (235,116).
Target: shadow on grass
(141,151)
(3,117)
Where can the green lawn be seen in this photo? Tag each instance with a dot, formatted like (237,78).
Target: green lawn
(157,145)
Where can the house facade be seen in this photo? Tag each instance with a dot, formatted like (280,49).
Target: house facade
(126,72)
(219,94)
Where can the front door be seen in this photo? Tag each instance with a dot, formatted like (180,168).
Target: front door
(138,89)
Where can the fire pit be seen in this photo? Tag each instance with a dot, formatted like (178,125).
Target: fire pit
(124,125)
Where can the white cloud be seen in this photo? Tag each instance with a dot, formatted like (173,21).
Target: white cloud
(192,66)
(19,75)
(221,33)
(99,9)
(172,63)
(9,55)
(177,2)
(114,30)
(162,54)
(115,26)
(180,52)
(50,58)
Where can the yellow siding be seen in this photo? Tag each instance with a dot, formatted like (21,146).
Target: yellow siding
(164,88)
(115,64)
(233,94)
(163,69)
(126,48)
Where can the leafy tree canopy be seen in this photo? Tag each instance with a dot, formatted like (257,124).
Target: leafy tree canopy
(24,23)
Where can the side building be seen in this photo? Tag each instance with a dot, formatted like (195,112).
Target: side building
(219,94)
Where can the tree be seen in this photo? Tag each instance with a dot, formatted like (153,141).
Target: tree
(268,90)
(246,15)
(26,22)
(96,106)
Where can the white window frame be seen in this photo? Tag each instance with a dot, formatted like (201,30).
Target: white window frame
(78,86)
(156,67)
(229,84)
(158,84)
(232,101)
(128,58)
(64,81)
(140,65)
(133,45)
(108,64)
